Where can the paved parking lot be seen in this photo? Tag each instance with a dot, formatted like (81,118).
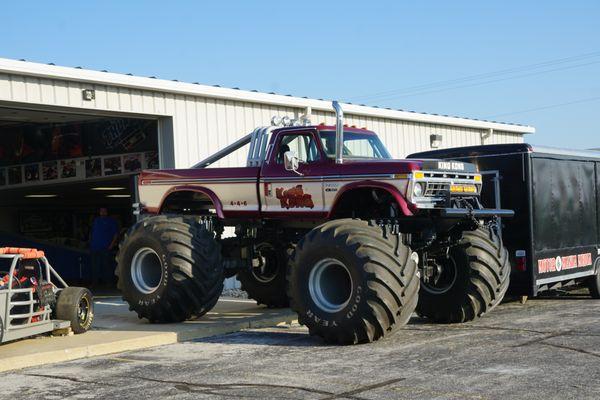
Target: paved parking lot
(545,349)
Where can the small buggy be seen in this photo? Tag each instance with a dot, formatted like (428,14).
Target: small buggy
(32,304)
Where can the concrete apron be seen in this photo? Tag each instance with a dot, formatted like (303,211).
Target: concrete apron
(116,329)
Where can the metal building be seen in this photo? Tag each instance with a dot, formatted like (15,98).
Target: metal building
(70,137)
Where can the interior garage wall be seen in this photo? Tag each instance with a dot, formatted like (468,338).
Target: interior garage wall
(193,127)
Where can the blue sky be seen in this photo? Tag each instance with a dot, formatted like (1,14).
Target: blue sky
(468,58)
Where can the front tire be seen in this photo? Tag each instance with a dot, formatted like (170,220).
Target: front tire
(76,305)
(474,279)
(351,281)
(593,284)
(170,268)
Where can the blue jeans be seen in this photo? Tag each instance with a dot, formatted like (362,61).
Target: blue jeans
(101,266)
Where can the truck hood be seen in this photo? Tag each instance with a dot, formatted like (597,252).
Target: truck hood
(406,166)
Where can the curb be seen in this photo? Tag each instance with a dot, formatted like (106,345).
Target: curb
(134,340)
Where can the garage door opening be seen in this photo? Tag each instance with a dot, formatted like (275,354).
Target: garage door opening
(57,170)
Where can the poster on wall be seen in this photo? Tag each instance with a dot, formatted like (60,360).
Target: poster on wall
(151,159)
(93,167)
(112,166)
(2,177)
(132,163)
(15,176)
(68,169)
(32,173)
(50,170)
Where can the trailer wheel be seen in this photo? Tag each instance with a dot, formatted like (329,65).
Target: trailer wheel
(169,268)
(267,283)
(76,305)
(593,285)
(472,281)
(351,281)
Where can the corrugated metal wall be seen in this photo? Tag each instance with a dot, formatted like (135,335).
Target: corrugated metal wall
(204,125)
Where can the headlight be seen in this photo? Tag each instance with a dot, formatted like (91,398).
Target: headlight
(417,190)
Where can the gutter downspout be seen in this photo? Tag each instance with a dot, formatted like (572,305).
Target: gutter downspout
(485,135)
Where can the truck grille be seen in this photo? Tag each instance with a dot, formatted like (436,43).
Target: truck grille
(449,175)
(437,189)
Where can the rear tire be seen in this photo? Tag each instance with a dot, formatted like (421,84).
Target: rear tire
(351,281)
(478,279)
(170,268)
(267,284)
(76,305)
(593,285)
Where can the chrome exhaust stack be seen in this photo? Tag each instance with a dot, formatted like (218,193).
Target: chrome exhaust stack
(339,132)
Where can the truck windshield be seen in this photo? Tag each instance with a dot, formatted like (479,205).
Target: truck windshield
(356,145)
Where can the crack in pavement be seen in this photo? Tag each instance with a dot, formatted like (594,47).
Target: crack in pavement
(210,388)
(561,346)
(477,328)
(63,378)
(363,389)
(213,388)
(540,339)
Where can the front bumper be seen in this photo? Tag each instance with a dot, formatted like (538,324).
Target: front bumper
(460,213)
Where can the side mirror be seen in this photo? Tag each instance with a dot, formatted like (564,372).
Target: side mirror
(291,161)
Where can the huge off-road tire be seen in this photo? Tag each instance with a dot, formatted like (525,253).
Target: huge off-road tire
(267,283)
(474,280)
(593,284)
(169,268)
(351,281)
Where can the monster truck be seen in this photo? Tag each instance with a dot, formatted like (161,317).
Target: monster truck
(324,219)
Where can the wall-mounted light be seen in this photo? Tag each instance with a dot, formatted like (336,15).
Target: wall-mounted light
(88,94)
(435,140)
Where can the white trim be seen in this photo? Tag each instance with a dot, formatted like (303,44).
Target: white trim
(545,150)
(14,67)
(564,277)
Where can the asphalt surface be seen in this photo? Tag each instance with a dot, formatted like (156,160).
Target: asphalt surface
(545,349)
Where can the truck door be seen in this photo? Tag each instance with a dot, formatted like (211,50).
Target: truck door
(287,193)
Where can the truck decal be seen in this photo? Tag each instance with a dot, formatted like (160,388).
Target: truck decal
(557,264)
(294,198)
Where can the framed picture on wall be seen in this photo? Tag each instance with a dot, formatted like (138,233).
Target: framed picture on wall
(32,173)
(132,163)
(112,166)
(68,169)
(15,175)
(93,167)
(49,170)
(151,159)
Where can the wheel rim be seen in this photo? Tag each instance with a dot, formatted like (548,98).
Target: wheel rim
(447,278)
(83,310)
(330,285)
(268,271)
(146,270)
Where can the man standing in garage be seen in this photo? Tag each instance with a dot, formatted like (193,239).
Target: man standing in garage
(103,238)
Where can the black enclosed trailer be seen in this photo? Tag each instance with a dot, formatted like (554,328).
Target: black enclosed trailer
(554,238)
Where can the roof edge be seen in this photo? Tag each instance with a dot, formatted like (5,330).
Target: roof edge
(28,68)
